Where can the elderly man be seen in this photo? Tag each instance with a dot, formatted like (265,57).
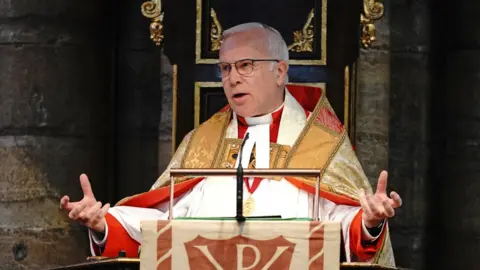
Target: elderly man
(289,127)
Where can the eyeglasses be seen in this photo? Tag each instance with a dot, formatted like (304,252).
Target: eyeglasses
(243,66)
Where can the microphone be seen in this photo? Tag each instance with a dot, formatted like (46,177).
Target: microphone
(240,217)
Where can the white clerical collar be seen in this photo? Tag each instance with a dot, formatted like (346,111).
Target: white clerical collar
(262,120)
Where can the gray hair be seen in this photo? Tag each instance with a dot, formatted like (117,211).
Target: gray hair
(276,45)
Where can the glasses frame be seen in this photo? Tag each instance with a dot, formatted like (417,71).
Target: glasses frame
(242,60)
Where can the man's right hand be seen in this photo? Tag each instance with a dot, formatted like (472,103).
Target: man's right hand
(87,211)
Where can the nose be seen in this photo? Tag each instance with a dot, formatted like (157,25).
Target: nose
(234,77)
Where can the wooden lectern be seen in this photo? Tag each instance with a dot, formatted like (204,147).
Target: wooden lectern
(134,264)
(241,242)
(237,242)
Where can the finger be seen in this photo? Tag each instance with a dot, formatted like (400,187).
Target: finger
(64,203)
(375,208)
(388,209)
(100,215)
(382,183)
(364,203)
(74,214)
(86,187)
(91,213)
(99,218)
(70,206)
(397,200)
(103,212)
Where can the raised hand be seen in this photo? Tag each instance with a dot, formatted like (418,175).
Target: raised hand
(379,206)
(87,211)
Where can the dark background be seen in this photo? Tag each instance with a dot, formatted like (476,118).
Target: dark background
(81,90)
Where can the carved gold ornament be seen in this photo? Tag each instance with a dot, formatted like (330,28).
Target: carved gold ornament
(153,10)
(303,39)
(215,32)
(372,11)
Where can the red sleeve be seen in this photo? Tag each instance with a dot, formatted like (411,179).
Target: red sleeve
(117,240)
(362,251)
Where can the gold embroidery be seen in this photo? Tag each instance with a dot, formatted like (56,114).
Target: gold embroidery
(345,173)
(202,150)
(229,149)
(174,163)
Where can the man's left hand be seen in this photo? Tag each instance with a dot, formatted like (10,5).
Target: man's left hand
(378,207)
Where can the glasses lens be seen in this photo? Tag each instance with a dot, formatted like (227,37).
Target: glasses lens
(224,69)
(244,66)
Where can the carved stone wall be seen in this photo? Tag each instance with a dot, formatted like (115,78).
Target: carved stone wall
(431,133)
(372,108)
(393,119)
(54,104)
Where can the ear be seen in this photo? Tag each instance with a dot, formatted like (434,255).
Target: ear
(281,72)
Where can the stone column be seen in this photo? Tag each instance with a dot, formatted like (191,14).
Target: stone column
(54,112)
(393,119)
(372,101)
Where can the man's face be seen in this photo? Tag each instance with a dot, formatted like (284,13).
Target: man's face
(251,88)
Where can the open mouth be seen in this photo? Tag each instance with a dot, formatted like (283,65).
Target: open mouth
(239,95)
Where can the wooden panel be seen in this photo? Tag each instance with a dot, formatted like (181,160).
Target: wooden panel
(189,39)
(209,99)
(301,23)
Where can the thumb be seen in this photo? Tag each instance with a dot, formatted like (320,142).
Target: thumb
(86,187)
(382,183)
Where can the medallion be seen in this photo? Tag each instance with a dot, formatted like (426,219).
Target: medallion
(248,206)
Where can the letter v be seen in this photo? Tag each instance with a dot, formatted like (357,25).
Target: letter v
(204,250)
(275,256)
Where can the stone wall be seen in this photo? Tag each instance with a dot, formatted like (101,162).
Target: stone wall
(418,112)
(372,98)
(54,96)
(392,119)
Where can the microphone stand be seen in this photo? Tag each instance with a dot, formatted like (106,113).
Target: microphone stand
(239,217)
